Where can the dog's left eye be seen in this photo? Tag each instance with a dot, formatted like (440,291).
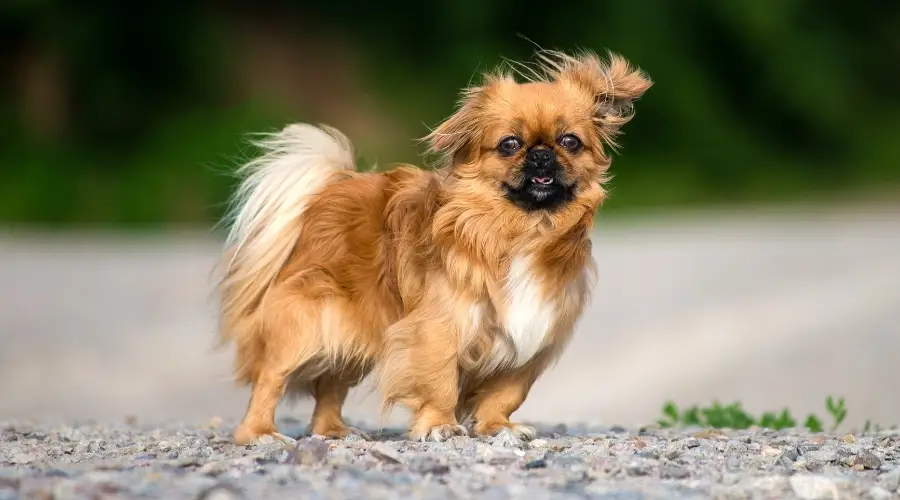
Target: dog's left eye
(570,142)
(509,145)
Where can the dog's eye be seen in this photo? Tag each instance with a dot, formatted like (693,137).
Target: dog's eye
(509,145)
(570,142)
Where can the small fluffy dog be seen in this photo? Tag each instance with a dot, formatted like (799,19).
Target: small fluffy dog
(455,287)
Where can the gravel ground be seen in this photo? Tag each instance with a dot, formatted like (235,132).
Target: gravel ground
(132,460)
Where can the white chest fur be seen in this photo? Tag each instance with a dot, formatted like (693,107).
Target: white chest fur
(529,315)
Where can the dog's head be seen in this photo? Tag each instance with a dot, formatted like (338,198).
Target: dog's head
(541,144)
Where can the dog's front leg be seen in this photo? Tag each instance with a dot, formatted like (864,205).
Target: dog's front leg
(493,401)
(420,370)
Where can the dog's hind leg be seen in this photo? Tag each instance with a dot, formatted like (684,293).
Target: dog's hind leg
(289,346)
(259,420)
(330,391)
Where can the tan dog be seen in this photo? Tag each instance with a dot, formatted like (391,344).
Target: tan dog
(456,287)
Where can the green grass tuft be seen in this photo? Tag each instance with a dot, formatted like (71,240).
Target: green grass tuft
(733,416)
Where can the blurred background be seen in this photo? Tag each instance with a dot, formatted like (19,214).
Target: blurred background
(750,250)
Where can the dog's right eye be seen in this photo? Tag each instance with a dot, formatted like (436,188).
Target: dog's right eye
(509,145)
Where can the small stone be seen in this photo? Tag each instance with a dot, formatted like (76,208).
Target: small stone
(483,469)
(308,452)
(770,483)
(638,469)
(868,460)
(21,458)
(164,446)
(848,451)
(691,443)
(386,454)
(805,448)
(505,437)
(708,434)
(9,483)
(812,487)
(848,439)
(890,480)
(768,451)
(673,472)
(494,455)
(823,456)
(790,452)
(538,443)
(72,435)
(539,463)
(213,469)
(879,493)
(220,492)
(429,465)
(731,478)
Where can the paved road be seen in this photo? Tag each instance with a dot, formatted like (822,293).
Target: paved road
(768,309)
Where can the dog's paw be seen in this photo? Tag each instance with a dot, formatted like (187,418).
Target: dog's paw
(353,431)
(440,433)
(525,432)
(245,438)
(505,429)
(341,433)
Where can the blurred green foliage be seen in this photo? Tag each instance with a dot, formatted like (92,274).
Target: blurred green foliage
(733,416)
(754,100)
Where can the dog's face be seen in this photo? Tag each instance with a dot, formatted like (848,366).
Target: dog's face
(541,144)
(538,144)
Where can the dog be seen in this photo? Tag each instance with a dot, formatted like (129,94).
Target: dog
(454,287)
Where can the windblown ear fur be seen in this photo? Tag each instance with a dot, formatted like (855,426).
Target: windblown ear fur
(615,85)
(456,137)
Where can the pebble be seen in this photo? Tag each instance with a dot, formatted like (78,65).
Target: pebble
(890,480)
(309,452)
(506,438)
(429,465)
(868,460)
(879,493)
(540,463)
(136,459)
(494,455)
(813,487)
(824,455)
(386,454)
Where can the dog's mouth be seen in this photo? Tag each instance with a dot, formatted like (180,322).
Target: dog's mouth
(540,193)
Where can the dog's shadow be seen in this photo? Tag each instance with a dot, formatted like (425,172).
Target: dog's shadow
(299,430)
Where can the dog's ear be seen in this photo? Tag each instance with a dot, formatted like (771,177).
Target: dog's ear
(614,85)
(454,138)
(616,90)
(458,137)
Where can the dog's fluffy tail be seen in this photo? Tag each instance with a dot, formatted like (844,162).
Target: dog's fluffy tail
(266,213)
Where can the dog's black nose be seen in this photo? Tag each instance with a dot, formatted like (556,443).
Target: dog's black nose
(541,157)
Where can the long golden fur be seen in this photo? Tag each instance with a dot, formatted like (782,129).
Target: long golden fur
(455,288)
